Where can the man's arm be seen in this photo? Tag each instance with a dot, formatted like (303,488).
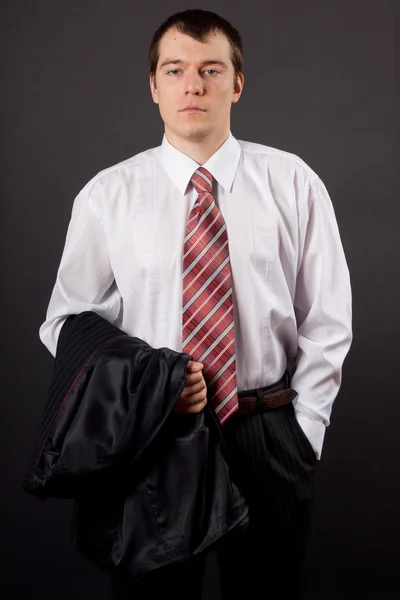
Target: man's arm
(323,308)
(85,280)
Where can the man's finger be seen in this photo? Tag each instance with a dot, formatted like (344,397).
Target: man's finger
(194,378)
(193,389)
(194,367)
(194,406)
(196,387)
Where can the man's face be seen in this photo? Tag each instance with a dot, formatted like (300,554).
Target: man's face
(194,86)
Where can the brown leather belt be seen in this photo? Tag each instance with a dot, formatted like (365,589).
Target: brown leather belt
(263,399)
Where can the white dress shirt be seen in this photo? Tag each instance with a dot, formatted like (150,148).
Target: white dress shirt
(291,288)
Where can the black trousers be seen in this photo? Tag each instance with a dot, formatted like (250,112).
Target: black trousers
(272,462)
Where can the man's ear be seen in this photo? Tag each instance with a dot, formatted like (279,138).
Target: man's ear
(154,93)
(237,90)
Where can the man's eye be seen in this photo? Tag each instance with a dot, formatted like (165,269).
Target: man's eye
(211,71)
(173,72)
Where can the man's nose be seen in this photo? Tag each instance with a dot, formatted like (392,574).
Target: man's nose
(194,84)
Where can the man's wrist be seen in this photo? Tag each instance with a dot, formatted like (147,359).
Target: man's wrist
(314,431)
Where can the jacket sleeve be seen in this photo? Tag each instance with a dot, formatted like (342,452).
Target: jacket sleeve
(107,420)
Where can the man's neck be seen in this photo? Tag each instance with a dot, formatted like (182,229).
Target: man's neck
(198,150)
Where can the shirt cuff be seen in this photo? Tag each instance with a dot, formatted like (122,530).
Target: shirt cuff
(314,431)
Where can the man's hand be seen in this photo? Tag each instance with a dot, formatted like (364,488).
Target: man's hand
(194,395)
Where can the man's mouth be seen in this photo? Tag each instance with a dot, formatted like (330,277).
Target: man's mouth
(193,109)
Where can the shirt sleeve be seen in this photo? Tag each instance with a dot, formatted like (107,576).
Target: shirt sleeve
(85,280)
(323,309)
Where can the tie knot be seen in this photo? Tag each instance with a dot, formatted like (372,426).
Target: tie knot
(202,180)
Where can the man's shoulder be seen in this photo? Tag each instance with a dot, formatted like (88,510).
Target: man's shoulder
(276,157)
(118,171)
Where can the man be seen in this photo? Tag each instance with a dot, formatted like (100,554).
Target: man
(229,251)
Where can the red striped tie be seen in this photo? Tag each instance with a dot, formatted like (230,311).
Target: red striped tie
(208,333)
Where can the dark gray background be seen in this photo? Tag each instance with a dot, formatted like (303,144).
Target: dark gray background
(75,99)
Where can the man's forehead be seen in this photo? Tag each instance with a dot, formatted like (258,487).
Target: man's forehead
(173,39)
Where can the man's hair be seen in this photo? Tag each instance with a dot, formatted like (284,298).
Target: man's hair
(198,24)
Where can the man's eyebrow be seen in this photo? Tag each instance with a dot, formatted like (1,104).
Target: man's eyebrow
(170,61)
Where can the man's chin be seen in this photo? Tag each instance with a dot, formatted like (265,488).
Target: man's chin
(196,133)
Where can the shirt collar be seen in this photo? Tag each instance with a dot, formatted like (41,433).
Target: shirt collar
(222,165)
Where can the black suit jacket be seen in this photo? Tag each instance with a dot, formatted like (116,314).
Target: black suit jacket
(151,488)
